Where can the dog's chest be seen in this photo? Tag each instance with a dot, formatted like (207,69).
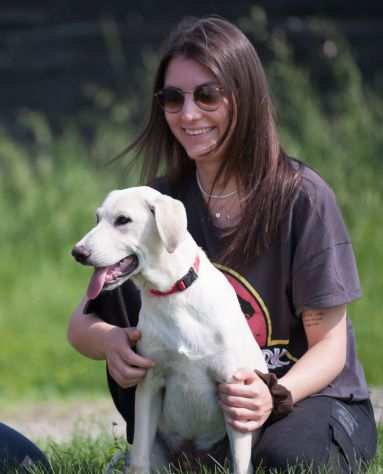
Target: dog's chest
(190,409)
(181,338)
(187,353)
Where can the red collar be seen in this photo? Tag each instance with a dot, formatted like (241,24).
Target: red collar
(183,283)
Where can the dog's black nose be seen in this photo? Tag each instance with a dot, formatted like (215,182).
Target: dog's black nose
(81,253)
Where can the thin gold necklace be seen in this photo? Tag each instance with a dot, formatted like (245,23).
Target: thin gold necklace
(212,196)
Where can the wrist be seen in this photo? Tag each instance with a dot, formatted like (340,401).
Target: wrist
(282,398)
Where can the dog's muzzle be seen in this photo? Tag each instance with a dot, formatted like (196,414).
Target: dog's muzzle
(106,277)
(81,254)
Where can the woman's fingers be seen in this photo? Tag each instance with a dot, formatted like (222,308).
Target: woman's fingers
(125,366)
(244,426)
(245,384)
(245,419)
(246,401)
(243,414)
(250,403)
(125,375)
(236,390)
(133,334)
(132,358)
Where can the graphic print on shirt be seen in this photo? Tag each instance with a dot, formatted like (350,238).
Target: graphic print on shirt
(258,318)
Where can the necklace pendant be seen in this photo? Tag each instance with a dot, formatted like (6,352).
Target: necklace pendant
(217,215)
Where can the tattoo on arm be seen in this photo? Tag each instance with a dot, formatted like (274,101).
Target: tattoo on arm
(312,318)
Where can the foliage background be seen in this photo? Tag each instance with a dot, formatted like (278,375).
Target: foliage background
(51,185)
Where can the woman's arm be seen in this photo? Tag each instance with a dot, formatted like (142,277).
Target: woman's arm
(97,339)
(326,332)
(247,401)
(88,334)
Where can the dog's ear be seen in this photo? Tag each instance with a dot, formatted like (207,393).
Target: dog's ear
(171,221)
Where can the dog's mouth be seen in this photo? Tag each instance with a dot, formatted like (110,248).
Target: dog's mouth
(103,277)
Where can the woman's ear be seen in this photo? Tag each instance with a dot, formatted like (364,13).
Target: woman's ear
(171,221)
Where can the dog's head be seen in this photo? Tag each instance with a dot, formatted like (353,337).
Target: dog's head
(134,226)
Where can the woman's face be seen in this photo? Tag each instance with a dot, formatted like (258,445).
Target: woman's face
(198,131)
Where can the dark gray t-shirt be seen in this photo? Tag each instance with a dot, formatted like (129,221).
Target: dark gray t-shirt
(310,265)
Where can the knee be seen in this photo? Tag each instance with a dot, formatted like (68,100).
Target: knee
(17,450)
(267,458)
(282,457)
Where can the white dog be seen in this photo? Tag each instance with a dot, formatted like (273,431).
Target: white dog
(191,323)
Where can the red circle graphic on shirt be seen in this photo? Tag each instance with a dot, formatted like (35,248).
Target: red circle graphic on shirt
(251,304)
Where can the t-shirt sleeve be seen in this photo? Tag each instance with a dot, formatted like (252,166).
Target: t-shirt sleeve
(324,272)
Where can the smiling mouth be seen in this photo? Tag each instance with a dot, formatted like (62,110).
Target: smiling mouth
(104,277)
(198,131)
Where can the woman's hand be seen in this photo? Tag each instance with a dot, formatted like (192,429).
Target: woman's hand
(246,401)
(125,366)
(97,339)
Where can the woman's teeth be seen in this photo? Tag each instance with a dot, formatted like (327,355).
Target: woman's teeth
(198,131)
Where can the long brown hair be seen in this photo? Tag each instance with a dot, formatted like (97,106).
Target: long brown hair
(252,156)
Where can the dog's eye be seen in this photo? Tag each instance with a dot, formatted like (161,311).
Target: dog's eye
(122,220)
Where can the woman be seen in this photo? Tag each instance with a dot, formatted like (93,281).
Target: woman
(274,227)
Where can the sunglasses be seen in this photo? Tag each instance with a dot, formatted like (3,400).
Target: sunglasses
(208,97)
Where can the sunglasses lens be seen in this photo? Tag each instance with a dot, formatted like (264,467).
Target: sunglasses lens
(171,99)
(208,97)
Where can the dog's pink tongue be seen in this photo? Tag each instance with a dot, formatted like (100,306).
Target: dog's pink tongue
(96,283)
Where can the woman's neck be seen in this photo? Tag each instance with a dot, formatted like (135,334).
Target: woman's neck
(223,199)
(206,176)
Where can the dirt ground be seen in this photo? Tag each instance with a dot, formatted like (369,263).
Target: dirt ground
(58,420)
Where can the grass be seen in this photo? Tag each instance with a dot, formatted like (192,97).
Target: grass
(86,455)
(48,200)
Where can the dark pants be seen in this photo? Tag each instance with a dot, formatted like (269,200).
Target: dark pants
(16,452)
(321,431)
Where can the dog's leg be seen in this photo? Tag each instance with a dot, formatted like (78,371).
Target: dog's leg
(147,411)
(159,456)
(240,446)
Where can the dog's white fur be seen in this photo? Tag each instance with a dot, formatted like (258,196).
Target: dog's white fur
(197,338)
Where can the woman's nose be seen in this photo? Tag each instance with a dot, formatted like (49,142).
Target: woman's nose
(190,109)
